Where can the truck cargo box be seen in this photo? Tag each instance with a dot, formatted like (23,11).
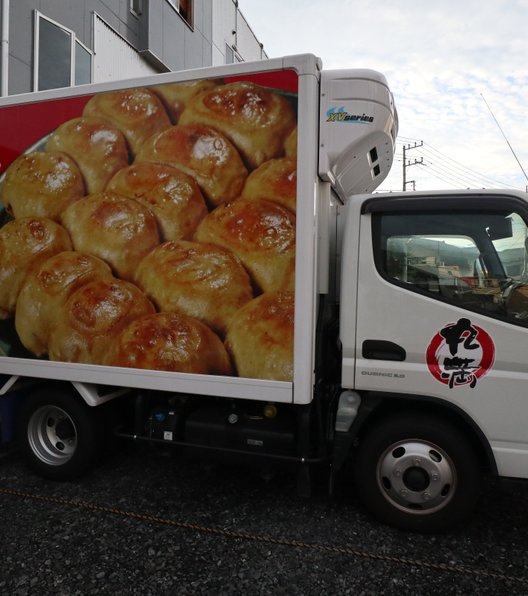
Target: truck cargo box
(144,228)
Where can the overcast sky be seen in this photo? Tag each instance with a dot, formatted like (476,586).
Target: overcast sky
(444,60)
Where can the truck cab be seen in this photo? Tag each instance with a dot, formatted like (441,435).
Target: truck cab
(433,320)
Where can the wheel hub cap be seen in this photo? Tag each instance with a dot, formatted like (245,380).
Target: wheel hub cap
(52,435)
(416,476)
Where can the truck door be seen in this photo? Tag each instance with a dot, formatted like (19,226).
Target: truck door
(442,310)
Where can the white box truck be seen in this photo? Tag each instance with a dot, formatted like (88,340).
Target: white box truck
(198,255)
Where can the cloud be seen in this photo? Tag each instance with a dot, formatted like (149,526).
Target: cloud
(440,57)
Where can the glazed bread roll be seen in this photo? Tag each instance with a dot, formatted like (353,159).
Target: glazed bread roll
(173,197)
(260,337)
(41,184)
(261,234)
(45,291)
(92,317)
(117,229)
(275,180)
(205,155)
(170,342)
(290,145)
(24,243)
(201,280)
(97,146)
(257,120)
(138,113)
(175,96)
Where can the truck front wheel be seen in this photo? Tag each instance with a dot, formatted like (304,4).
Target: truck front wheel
(59,434)
(417,473)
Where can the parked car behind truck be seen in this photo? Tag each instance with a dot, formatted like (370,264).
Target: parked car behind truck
(202,251)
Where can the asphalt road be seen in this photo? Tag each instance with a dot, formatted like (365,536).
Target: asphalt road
(145,522)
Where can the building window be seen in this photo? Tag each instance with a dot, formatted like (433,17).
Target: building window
(60,60)
(136,7)
(231,55)
(184,8)
(83,64)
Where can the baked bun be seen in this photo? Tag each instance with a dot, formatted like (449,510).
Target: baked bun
(97,146)
(24,243)
(275,180)
(46,289)
(261,234)
(117,229)
(41,184)
(138,113)
(200,280)
(257,120)
(290,145)
(171,342)
(260,337)
(173,197)
(175,96)
(92,316)
(204,154)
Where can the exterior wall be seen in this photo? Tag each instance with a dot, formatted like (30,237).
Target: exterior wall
(248,46)
(224,12)
(166,37)
(230,28)
(162,38)
(114,57)
(75,15)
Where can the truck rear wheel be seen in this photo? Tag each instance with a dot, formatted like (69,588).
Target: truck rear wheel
(59,434)
(417,473)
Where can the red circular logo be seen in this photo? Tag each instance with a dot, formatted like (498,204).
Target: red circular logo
(460,354)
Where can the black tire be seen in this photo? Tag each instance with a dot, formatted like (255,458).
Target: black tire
(60,436)
(417,473)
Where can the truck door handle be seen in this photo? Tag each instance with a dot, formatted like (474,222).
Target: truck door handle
(379,349)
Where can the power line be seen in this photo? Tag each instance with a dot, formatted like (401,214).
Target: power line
(455,167)
(451,163)
(445,168)
(462,177)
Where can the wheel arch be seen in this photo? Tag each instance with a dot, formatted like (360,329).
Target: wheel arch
(377,406)
(91,394)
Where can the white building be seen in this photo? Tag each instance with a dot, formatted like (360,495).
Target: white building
(57,43)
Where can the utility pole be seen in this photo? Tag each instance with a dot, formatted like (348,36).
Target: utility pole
(407,164)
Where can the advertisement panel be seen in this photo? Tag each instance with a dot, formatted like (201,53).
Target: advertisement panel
(153,227)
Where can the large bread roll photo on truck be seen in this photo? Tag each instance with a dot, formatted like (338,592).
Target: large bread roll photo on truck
(146,231)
